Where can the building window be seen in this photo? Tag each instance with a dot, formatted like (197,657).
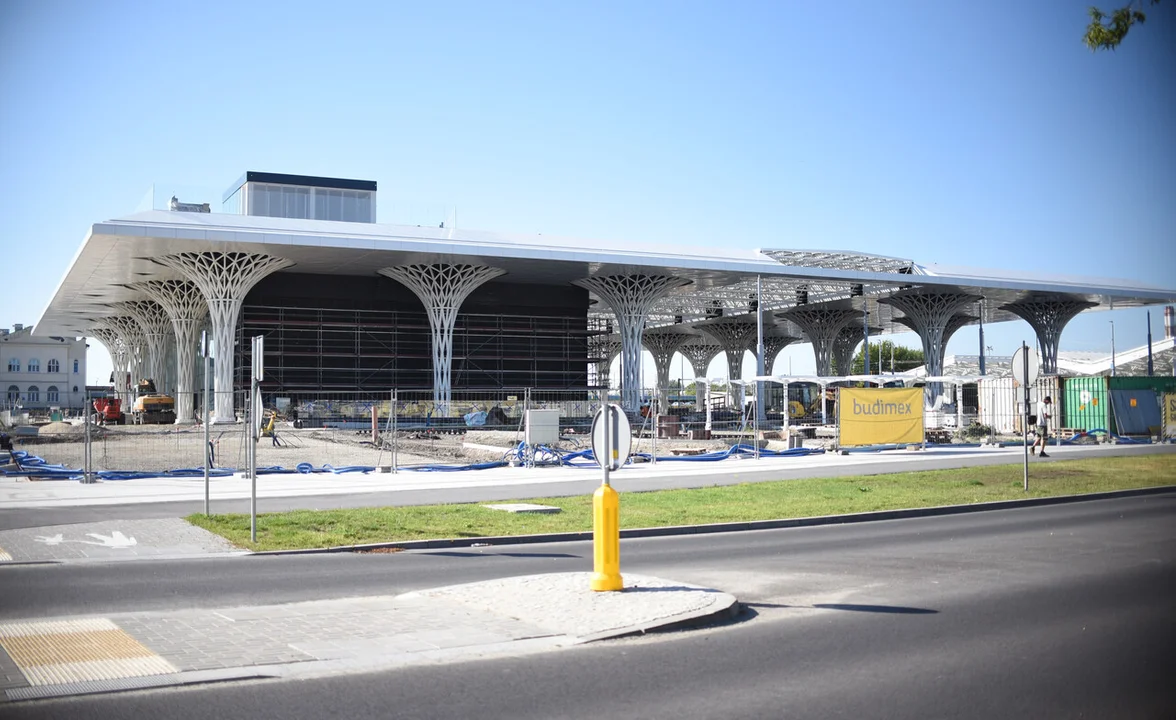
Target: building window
(53,366)
(51,394)
(34,393)
(34,365)
(13,365)
(13,394)
(75,367)
(75,388)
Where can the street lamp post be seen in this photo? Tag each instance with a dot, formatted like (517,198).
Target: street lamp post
(1112,348)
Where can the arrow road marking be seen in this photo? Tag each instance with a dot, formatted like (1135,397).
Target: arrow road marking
(116,540)
(50,540)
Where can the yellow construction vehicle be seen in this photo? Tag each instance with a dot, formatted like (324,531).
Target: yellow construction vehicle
(152,407)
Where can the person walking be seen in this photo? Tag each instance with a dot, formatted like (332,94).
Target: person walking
(1044,413)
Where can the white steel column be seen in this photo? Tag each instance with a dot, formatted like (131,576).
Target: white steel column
(734,335)
(821,324)
(442,288)
(131,333)
(700,353)
(930,313)
(1048,316)
(224,279)
(662,343)
(119,354)
(630,297)
(844,344)
(187,310)
(156,326)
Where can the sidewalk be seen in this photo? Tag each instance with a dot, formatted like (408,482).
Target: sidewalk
(23,493)
(81,655)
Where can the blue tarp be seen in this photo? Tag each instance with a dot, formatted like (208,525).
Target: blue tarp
(1137,412)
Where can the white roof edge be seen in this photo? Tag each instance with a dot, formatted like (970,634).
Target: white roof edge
(521,246)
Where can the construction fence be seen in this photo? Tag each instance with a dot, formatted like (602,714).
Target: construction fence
(409,428)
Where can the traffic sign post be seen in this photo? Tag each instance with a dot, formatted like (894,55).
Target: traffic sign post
(611,444)
(1026,366)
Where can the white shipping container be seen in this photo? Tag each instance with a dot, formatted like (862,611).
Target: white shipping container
(1001,401)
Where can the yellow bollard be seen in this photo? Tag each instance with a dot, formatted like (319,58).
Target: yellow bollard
(606,540)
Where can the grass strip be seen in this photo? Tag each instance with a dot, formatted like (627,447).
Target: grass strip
(749,501)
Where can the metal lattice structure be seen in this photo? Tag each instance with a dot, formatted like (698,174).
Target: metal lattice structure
(631,297)
(662,344)
(843,260)
(699,353)
(131,334)
(601,351)
(120,354)
(774,342)
(1048,316)
(187,310)
(822,324)
(441,289)
(224,279)
(929,313)
(733,335)
(954,324)
(844,345)
(156,324)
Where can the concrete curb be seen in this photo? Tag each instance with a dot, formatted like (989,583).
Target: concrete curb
(734,526)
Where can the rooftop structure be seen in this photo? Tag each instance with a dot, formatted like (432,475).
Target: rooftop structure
(275,256)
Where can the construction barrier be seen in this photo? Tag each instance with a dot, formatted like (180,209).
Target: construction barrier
(880,416)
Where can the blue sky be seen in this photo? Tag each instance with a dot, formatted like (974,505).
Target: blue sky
(957,132)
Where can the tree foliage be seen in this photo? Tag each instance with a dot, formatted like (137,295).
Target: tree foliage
(904,358)
(1104,35)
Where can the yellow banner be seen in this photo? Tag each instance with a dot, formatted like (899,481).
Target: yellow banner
(880,416)
(1170,414)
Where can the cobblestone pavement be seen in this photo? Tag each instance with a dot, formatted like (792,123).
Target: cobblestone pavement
(110,540)
(538,612)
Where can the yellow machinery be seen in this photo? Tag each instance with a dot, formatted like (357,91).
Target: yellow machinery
(152,407)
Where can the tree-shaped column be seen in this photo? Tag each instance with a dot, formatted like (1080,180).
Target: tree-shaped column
(631,297)
(442,288)
(1048,315)
(187,310)
(224,279)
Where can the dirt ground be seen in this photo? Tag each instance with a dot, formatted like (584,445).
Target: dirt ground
(157,448)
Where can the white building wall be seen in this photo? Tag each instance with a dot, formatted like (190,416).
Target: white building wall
(39,373)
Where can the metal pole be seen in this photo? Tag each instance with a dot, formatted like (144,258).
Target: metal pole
(394,413)
(606,451)
(1025,413)
(654,408)
(205,416)
(88,476)
(761,362)
(1112,348)
(1150,368)
(866,335)
(256,375)
(982,340)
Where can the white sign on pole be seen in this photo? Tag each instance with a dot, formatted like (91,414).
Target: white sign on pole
(620,440)
(1019,365)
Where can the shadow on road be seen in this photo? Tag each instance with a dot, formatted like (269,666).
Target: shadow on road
(455,553)
(892,609)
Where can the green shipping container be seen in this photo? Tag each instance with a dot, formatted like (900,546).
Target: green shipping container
(1159,383)
(1085,405)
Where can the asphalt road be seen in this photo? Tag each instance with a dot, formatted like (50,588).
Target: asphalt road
(740,472)
(1059,611)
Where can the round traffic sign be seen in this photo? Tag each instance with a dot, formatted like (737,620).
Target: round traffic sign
(620,437)
(1019,365)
